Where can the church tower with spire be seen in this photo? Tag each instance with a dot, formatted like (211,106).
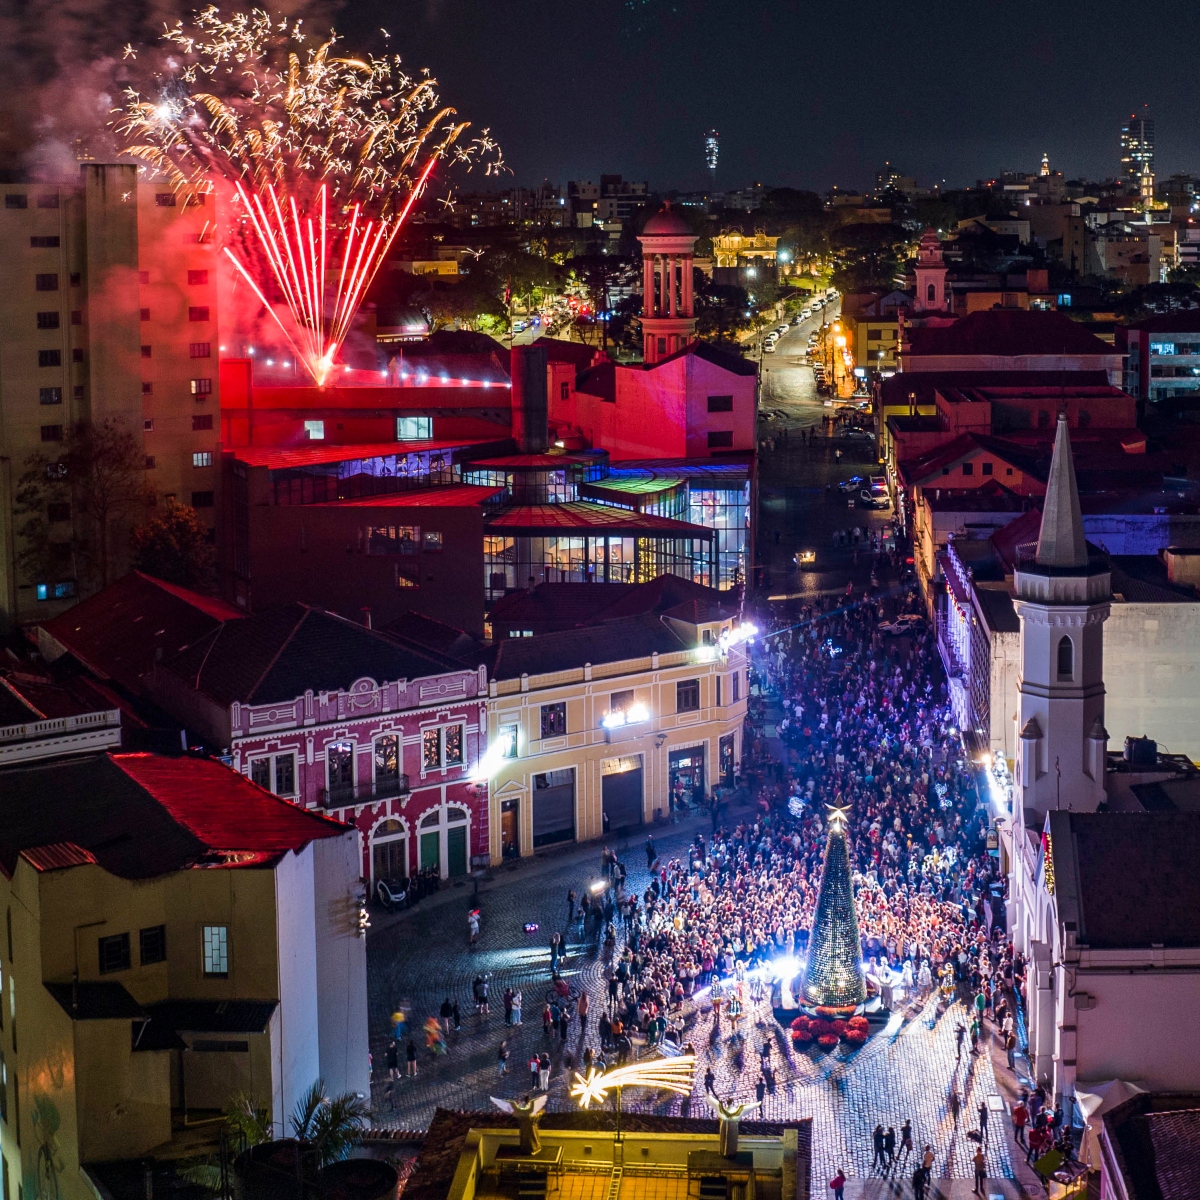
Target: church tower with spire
(1062,599)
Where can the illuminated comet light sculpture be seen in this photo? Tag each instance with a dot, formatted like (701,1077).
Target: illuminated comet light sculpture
(326,156)
(669,1074)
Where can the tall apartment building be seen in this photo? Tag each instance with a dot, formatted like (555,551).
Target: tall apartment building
(108,310)
(1137,148)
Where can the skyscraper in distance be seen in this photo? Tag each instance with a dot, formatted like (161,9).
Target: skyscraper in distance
(712,148)
(1137,148)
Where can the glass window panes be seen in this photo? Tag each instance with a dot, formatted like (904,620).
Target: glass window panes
(340,759)
(285,775)
(216,950)
(453,745)
(687,695)
(620,701)
(508,741)
(554,720)
(387,761)
(152,945)
(260,772)
(431,749)
(414,429)
(393,539)
(114,953)
(433,539)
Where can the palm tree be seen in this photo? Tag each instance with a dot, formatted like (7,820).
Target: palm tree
(331,1125)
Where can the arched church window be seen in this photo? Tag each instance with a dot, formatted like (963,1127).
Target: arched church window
(1066,659)
(932,293)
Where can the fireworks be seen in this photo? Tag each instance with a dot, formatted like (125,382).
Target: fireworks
(326,155)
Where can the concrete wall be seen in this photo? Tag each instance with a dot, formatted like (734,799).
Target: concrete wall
(341,975)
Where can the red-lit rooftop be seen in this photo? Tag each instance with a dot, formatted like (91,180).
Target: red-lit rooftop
(597,517)
(312,455)
(458,495)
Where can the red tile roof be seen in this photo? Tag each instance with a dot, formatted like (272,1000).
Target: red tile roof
(1007,333)
(121,632)
(464,495)
(139,816)
(581,515)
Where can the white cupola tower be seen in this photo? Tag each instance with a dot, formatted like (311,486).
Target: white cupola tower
(1062,600)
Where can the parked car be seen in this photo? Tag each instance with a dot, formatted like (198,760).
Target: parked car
(856,435)
(878,485)
(768,347)
(868,499)
(854,484)
(805,313)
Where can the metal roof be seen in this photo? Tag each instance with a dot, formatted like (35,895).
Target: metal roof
(597,517)
(276,457)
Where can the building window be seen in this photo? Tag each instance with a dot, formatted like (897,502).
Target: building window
(986,468)
(387,765)
(47,320)
(276,774)
(114,953)
(662,345)
(621,702)
(60,510)
(737,686)
(48,200)
(77,355)
(442,747)
(44,241)
(432,540)
(202,458)
(51,395)
(200,349)
(145,313)
(147,352)
(314,431)
(148,462)
(392,539)
(204,499)
(201,422)
(216,949)
(52,433)
(564,391)
(719,704)
(198,313)
(49,358)
(968,468)
(56,591)
(687,696)
(197,278)
(721,440)
(408,575)
(554,719)
(152,945)
(47,282)
(431,749)
(147,389)
(201,387)
(931,293)
(508,741)
(148,425)
(1066,659)
(720,404)
(164,199)
(77,391)
(414,429)
(16,200)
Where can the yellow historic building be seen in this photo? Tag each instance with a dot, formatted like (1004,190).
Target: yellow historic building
(737,249)
(609,727)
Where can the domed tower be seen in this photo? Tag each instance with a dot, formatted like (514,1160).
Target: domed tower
(668,246)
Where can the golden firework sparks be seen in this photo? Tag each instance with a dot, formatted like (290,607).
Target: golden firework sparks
(670,1074)
(326,154)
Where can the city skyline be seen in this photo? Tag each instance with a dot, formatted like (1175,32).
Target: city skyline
(631,88)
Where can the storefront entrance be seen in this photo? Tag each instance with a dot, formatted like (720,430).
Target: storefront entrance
(510,823)
(622,792)
(554,807)
(443,843)
(389,852)
(686,777)
(726,767)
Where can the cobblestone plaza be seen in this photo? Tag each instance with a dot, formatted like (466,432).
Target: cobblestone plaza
(419,959)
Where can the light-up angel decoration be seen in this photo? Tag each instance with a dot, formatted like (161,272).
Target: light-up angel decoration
(528,1113)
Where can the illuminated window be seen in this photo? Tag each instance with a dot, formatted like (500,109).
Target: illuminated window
(508,741)
(414,429)
(314,431)
(432,540)
(554,720)
(431,749)
(387,764)
(392,539)
(202,458)
(199,349)
(216,951)
(203,387)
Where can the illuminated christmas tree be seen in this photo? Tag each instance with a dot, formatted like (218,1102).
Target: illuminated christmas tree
(833,977)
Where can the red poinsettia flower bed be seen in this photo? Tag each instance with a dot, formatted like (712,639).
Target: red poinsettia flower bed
(828,1033)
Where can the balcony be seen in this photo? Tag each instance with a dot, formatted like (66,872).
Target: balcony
(347,795)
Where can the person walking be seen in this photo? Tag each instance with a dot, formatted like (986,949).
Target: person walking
(889,1146)
(516,1007)
(837,1184)
(979,1160)
(1020,1118)
(502,1058)
(393,1060)
(960,1032)
(920,1180)
(410,1059)
(709,1080)
(534,1067)
(508,1006)
(446,1012)
(544,1071)
(927,1161)
(582,1010)
(906,1142)
(571,897)
(983,1123)
(955,1105)
(877,1141)
(651,853)
(455,1017)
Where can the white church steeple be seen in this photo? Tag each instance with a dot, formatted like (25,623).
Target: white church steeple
(1063,601)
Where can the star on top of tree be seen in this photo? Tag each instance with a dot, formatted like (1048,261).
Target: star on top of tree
(838,817)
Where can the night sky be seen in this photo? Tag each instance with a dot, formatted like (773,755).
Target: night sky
(805,95)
